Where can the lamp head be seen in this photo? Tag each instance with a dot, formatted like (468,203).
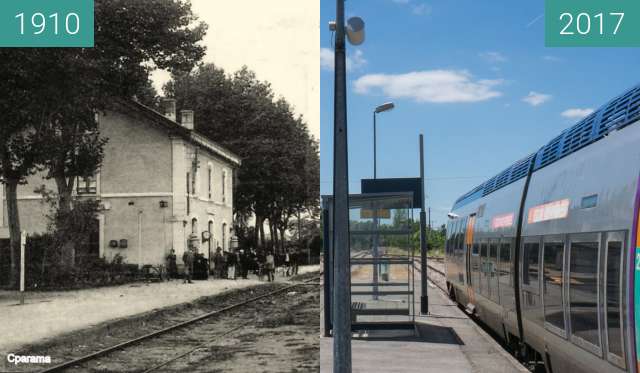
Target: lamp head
(451,215)
(385,107)
(355,30)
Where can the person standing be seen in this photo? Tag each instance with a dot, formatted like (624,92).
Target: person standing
(287,262)
(187,258)
(270,266)
(218,263)
(172,267)
(231,265)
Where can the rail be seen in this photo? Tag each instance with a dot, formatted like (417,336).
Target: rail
(120,346)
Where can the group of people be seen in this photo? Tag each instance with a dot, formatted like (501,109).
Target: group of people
(238,264)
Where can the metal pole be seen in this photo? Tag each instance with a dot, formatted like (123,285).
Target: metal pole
(342,288)
(375,216)
(327,273)
(424,298)
(375,156)
(23,244)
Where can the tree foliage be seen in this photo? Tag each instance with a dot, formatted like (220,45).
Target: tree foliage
(50,96)
(279,176)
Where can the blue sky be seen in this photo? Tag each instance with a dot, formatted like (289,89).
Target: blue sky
(473,76)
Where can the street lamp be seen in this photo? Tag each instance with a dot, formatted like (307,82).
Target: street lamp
(341,307)
(382,108)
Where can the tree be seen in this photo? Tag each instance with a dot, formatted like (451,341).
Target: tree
(279,176)
(17,136)
(50,96)
(131,39)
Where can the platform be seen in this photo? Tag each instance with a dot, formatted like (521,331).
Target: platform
(448,341)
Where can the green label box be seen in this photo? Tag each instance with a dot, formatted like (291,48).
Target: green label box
(592,23)
(46,23)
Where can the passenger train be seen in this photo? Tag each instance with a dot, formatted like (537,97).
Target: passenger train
(547,252)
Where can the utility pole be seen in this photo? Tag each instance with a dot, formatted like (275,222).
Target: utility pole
(341,290)
(424,298)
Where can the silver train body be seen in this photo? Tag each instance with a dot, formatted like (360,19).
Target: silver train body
(547,259)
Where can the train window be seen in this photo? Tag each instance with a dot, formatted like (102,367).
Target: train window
(484,289)
(476,249)
(530,264)
(553,260)
(589,201)
(583,288)
(505,262)
(613,295)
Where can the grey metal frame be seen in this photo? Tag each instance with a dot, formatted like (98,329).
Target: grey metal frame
(578,341)
(527,287)
(552,328)
(617,236)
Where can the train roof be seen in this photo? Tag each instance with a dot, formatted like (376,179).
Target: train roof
(617,113)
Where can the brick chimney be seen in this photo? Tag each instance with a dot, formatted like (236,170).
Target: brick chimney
(186,119)
(169,108)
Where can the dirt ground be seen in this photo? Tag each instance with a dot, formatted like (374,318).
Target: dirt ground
(275,334)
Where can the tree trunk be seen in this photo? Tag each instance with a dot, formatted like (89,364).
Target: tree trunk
(272,236)
(65,199)
(65,190)
(261,232)
(282,230)
(14,229)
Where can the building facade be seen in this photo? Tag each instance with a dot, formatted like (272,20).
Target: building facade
(161,186)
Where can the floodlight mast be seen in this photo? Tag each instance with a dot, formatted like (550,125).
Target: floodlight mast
(341,308)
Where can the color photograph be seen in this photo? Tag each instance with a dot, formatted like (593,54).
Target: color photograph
(480,186)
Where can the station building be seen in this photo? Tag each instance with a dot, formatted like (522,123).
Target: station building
(161,185)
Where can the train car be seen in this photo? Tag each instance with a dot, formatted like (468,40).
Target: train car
(544,253)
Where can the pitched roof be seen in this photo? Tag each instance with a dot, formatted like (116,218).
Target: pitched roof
(176,129)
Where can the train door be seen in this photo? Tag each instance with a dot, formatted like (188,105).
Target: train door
(484,258)
(492,270)
(468,245)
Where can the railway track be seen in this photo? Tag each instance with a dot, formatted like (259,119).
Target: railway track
(199,334)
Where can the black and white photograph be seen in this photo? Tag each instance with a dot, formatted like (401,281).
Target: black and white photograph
(160,203)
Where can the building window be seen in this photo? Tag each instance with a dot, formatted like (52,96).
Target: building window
(194,226)
(583,289)
(210,182)
(553,262)
(210,229)
(224,186)
(87,185)
(224,237)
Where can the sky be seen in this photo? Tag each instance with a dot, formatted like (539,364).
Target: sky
(473,76)
(278,40)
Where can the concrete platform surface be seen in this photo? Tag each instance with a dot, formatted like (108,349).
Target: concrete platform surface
(448,341)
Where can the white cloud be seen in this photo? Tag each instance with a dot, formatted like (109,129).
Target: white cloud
(326,59)
(354,62)
(549,58)
(421,9)
(493,57)
(536,98)
(435,86)
(576,113)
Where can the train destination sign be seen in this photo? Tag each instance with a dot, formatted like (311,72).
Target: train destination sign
(549,211)
(502,221)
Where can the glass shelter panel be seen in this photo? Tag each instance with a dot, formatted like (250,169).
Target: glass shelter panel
(382,261)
